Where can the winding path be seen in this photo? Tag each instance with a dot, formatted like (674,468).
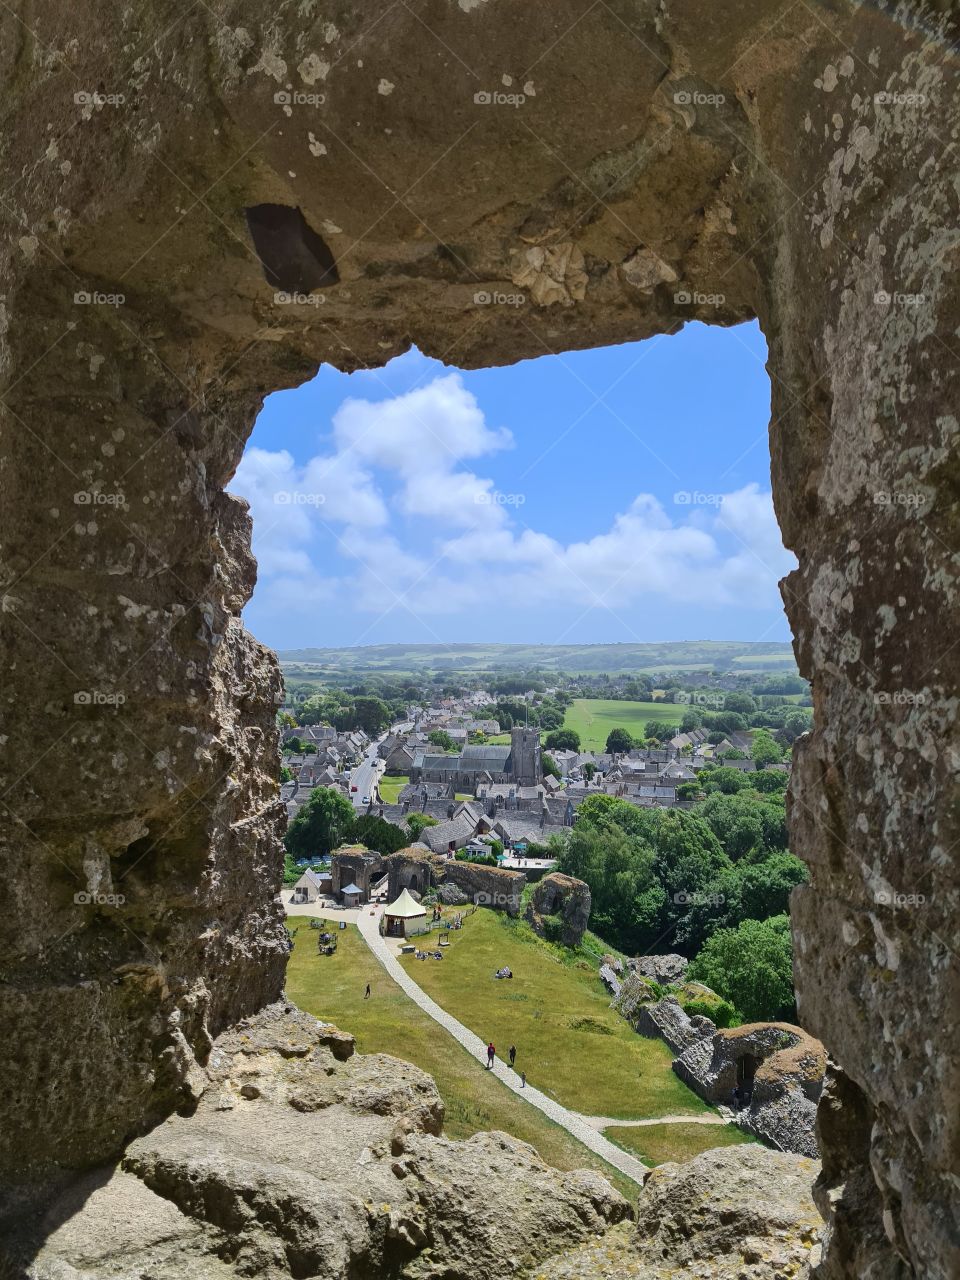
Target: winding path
(581,1127)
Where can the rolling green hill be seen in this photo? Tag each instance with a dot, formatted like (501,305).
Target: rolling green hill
(417,659)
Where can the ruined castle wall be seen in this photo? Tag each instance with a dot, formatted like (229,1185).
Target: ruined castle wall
(791,162)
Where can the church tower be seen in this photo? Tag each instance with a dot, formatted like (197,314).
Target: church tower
(525,764)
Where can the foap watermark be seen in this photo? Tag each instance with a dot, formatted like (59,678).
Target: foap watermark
(898,498)
(694,98)
(96,98)
(84,899)
(697,699)
(297,498)
(493,298)
(694,498)
(99,698)
(698,899)
(493,899)
(92,498)
(496,98)
(898,698)
(896,98)
(494,498)
(892,898)
(897,299)
(693,298)
(284,299)
(95,298)
(291,98)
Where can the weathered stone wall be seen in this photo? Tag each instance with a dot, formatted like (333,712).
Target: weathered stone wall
(557,894)
(353,864)
(488,886)
(784,1092)
(410,869)
(671,160)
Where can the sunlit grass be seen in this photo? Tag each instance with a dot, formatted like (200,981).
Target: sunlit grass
(557,1013)
(657,1143)
(332,987)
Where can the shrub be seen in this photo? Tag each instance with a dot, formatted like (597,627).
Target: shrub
(479,859)
(552,928)
(722,1013)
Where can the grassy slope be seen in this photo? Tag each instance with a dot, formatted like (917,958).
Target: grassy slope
(593,718)
(571,1044)
(332,988)
(657,1143)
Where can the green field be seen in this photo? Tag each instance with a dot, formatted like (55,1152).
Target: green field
(390,789)
(593,718)
(331,987)
(556,1011)
(657,1143)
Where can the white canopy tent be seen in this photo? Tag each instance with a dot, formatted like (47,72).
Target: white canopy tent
(404,917)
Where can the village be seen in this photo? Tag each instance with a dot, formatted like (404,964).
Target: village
(496,789)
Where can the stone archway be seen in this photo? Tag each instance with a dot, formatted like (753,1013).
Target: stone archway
(669,161)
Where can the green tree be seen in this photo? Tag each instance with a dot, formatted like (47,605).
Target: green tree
(741,702)
(751,967)
(549,766)
(797,722)
(765,750)
(372,715)
(291,872)
(770,781)
(562,740)
(619,742)
(286,775)
(736,821)
(766,886)
(692,719)
(658,730)
(589,769)
(321,824)
(440,738)
(377,834)
(418,822)
(727,780)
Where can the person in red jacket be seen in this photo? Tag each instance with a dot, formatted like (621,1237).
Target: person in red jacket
(491,1053)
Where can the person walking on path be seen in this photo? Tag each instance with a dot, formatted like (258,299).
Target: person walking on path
(513,1054)
(523,1079)
(491,1054)
(366,994)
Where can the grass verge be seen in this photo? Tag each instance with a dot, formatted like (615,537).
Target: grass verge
(657,1143)
(390,788)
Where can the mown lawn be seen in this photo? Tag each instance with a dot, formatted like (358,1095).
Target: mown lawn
(570,1043)
(593,718)
(657,1143)
(331,987)
(390,788)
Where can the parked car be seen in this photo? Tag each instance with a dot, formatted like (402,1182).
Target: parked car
(353,788)
(365,800)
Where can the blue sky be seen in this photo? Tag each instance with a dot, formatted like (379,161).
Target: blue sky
(618,494)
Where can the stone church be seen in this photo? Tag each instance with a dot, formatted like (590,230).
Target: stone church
(519,763)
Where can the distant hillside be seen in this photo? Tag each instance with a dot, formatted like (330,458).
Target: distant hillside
(678,655)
